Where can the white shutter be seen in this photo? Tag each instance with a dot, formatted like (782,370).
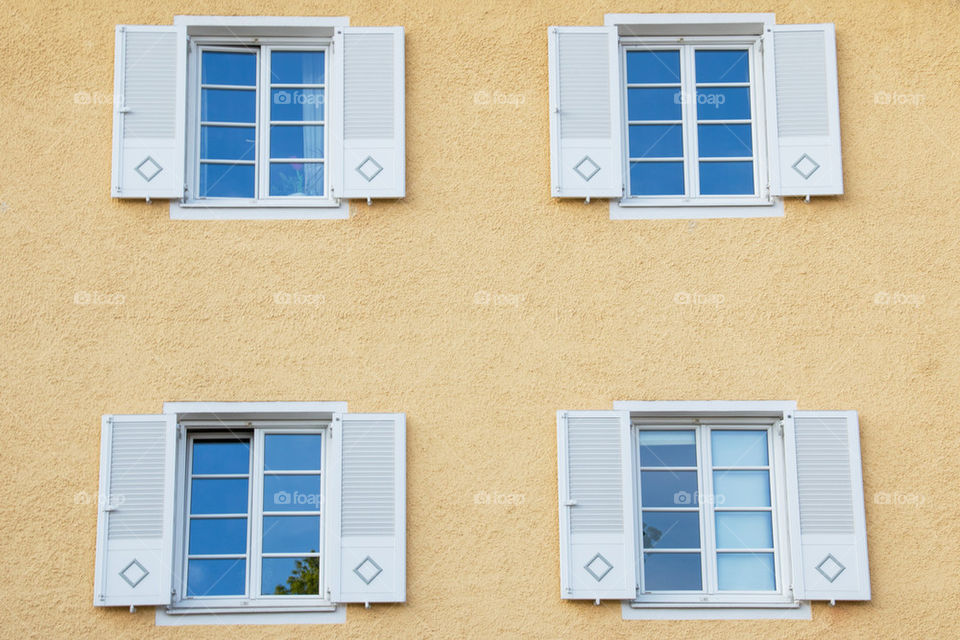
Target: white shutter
(370,74)
(585,117)
(149,111)
(367,508)
(135,510)
(597,545)
(825,486)
(803,110)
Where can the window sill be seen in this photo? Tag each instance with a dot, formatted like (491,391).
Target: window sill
(330,210)
(623,210)
(330,614)
(649,611)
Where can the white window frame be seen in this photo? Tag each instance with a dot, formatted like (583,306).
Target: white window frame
(205,32)
(700,604)
(668,31)
(257,418)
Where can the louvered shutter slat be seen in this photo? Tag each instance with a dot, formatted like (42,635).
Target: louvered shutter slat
(828,525)
(597,555)
(135,517)
(149,112)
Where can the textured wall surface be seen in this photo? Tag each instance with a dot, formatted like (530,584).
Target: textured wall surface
(479,306)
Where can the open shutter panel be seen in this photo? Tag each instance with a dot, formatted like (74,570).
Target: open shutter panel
(371,72)
(135,518)
(149,112)
(804,110)
(597,546)
(370,559)
(826,500)
(585,120)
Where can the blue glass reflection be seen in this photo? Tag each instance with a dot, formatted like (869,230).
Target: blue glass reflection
(736,448)
(221,456)
(653,67)
(291,493)
(228,105)
(218,536)
(292,451)
(218,495)
(724,140)
(291,534)
(669,488)
(297,104)
(296,141)
(742,488)
(744,530)
(229,68)
(668,448)
(227,143)
(746,572)
(221,577)
(296,179)
(728,65)
(726,178)
(671,530)
(290,576)
(671,572)
(656,141)
(296,67)
(654,104)
(723,103)
(656,178)
(227,180)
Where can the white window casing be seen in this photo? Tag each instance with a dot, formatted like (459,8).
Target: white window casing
(803,110)
(369,66)
(585,113)
(597,505)
(828,522)
(149,109)
(135,510)
(366,524)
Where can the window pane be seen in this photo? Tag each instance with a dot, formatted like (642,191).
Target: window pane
(724,140)
(732,448)
(228,105)
(744,530)
(226,180)
(218,535)
(291,534)
(668,448)
(220,495)
(745,572)
(221,67)
(731,65)
(296,67)
(671,530)
(671,572)
(291,493)
(656,141)
(668,488)
(723,103)
(292,452)
(227,143)
(296,104)
(296,179)
(654,104)
(221,456)
(656,178)
(726,178)
(290,576)
(222,577)
(741,488)
(659,67)
(296,141)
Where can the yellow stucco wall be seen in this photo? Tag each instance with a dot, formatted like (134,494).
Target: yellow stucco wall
(581,311)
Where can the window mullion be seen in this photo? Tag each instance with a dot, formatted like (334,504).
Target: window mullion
(689,88)
(263,123)
(709,542)
(254,539)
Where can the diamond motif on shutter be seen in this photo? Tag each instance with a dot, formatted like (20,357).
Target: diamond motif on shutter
(138,573)
(368,570)
(148,168)
(805,166)
(369,168)
(586,168)
(598,567)
(830,568)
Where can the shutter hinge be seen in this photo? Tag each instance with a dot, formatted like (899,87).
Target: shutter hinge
(761,43)
(780,428)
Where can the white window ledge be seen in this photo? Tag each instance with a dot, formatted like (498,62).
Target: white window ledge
(181,211)
(620,211)
(173,618)
(800,611)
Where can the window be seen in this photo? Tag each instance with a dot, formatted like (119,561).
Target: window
(261,121)
(251,512)
(711,509)
(709,525)
(690,121)
(694,115)
(258,117)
